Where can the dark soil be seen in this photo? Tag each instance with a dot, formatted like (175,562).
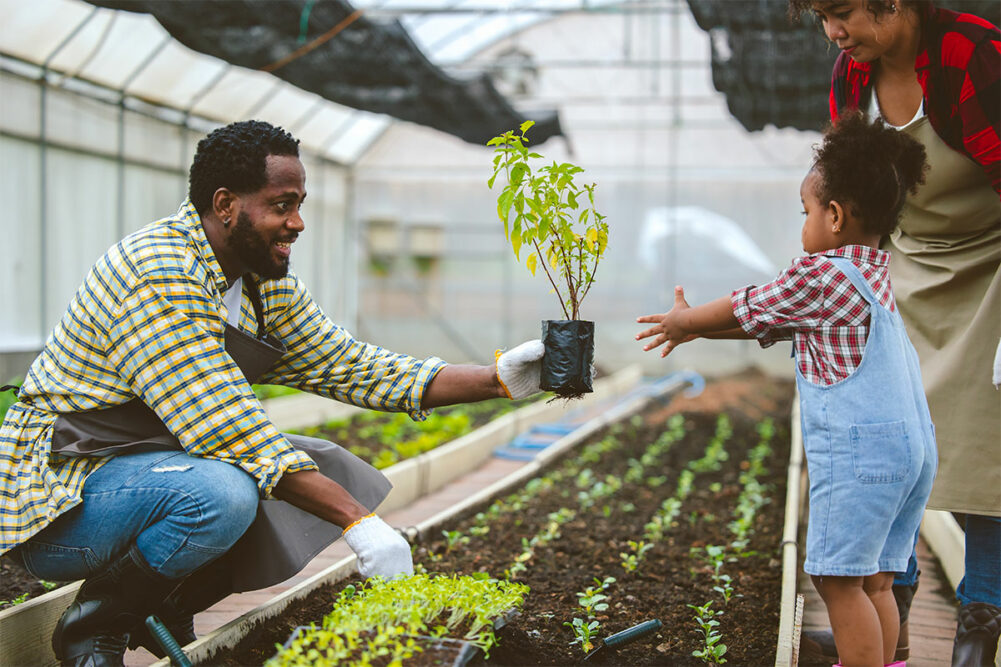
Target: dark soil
(16,581)
(670,577)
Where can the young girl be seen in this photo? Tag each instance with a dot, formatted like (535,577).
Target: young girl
(868,436)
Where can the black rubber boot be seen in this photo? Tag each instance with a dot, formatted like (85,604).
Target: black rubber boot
(94,630)
(816,647)
(198,592)
(976,635)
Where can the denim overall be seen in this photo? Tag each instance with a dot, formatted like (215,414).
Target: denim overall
(870,451)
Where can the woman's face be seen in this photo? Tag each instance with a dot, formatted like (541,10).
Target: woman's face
(863,36)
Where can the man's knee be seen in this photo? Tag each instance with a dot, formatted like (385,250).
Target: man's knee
(232,500)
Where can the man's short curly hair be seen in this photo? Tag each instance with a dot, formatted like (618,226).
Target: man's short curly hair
(235,157)
(868,167)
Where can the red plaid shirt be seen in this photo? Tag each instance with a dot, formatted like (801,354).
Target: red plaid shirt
(817,307)
(959,68)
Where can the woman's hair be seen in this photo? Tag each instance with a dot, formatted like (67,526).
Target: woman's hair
(868,168)
(878,8)
(235,157)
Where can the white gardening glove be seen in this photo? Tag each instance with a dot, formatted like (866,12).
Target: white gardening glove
(519,369)
(380,549)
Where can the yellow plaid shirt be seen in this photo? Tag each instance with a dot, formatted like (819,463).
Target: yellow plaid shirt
(149,321)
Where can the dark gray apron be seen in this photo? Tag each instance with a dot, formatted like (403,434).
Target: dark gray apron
(283,538)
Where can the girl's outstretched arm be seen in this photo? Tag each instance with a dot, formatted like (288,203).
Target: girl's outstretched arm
(684,323)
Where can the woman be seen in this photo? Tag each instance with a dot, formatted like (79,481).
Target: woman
(936,75)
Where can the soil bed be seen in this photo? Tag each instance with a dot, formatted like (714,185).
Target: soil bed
(673,573)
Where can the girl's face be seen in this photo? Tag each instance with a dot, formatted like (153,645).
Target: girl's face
(862,35)
(821,217)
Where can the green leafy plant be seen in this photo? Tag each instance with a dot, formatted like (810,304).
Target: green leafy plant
(712,650)
(15,601)
(544,209)
(584,631)
(631,561)
(368,625)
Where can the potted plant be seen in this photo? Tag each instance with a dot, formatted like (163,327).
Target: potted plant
(544,209)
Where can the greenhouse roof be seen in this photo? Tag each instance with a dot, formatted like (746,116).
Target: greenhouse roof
(277,60)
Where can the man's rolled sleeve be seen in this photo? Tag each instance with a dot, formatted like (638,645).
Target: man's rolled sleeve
(268,471)
(425,372)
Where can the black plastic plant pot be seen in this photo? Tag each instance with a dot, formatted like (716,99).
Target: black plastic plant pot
(566,364)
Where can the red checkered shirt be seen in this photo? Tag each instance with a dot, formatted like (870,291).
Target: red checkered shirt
(817,307)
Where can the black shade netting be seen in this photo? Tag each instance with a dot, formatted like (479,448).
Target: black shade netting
(368,65)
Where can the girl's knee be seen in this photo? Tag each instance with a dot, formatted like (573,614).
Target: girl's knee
(881,582)
(833,587)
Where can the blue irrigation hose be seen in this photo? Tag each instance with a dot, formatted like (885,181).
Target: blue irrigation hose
(166,640)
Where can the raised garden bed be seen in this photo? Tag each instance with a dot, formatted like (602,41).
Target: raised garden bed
(683,511)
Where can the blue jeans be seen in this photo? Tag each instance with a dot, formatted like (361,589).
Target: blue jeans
(181,511)
(982,579)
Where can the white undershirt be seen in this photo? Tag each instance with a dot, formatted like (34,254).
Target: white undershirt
(232,299)
(875,113)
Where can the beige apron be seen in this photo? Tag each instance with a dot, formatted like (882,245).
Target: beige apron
(945,272)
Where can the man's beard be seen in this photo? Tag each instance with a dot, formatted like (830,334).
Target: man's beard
(255,251)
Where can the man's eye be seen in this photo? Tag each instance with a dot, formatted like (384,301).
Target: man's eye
(282,206)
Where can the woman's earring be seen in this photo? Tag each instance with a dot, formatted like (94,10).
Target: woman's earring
(225,223)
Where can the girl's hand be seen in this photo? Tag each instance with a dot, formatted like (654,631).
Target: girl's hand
(669,328)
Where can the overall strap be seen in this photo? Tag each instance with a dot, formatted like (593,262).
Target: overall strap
(255,299)
(853,274)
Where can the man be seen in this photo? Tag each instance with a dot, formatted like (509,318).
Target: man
(138,454)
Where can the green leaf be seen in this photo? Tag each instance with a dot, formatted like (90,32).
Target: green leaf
(571,200)
(504,203)
(518,172)
(526,125)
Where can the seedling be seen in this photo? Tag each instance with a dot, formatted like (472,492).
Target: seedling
(631,561)
(713,649)
(583,631)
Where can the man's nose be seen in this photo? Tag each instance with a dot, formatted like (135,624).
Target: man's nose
(295,222)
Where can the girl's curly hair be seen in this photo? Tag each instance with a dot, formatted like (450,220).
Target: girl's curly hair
(869,168)
(235,157)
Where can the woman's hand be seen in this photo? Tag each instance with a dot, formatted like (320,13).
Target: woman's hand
(670,327)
